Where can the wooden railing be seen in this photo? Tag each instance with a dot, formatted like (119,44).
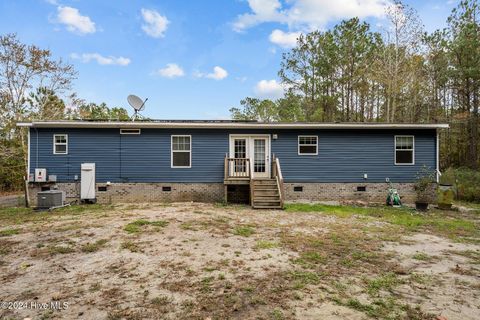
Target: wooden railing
(277,175)
(237,168)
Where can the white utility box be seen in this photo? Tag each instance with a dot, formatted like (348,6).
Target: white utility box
(87,182)
(40,175)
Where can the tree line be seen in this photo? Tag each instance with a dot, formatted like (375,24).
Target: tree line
(35,86)
(399,74)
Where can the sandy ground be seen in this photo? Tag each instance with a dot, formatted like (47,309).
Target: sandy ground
(212,262)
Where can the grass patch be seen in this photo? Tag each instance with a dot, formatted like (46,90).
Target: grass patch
(388,308)
(264,244)
(303,278)
(244,231)
(60,250)
(93,247)
(385,282)
(129,245)
(309,259)
(20,215)
(9,232)
(422,256)
(436,221)
(139,225)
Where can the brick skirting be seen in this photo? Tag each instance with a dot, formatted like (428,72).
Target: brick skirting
(142,192)
(215,192)
(374,192)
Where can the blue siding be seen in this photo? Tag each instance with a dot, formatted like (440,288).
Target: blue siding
(343,156)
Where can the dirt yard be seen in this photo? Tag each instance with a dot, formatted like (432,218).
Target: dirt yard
(202,261)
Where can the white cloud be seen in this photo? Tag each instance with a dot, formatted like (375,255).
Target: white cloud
(262,10)
(172,70)
(269,89)
(284,39)
(110,60)
(218,74)
(307,14)
(74,21)
(155,24)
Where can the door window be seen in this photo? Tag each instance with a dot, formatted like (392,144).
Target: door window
(240,152)
(259,155)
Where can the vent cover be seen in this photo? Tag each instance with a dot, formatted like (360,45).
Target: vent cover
(130,131)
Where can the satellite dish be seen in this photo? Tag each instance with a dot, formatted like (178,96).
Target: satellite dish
(137,105)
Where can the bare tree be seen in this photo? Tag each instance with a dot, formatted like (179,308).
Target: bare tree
(23,68)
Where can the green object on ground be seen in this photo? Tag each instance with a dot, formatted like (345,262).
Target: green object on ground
(393,198)
(445,196)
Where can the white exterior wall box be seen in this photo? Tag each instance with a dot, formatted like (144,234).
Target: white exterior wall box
(40,175)
(87,181)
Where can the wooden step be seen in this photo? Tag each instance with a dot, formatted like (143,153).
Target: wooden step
(265,187)
(266,191)
(266,203)
(267,207)
(265,194)
(264,182)
(267,198)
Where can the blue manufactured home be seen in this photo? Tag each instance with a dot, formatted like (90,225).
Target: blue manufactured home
(264,164)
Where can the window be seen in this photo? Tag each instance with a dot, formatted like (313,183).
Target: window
(298,189)
(60,144)
(307,145)
(130,131)
(404,150)
(181,151)
(240,152)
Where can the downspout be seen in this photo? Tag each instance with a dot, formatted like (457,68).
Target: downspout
(437,160)
(36,148)
(28,155)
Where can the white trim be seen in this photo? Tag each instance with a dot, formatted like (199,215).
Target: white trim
(231,144)
(171,151)
(130,131)
(61,144)
(28,155)
(307,154)
(437,160)
(395,150)
(227,125)
(250,151)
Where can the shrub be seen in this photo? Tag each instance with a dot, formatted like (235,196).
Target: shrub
(467,184)
(423,184)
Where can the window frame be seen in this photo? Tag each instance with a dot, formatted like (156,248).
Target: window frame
(395,150)
(307,154)
(61,144)
(172,151)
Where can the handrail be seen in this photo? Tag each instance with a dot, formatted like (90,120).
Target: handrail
(237,168)
(277,174)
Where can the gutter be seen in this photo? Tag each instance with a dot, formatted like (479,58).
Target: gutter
(232,125)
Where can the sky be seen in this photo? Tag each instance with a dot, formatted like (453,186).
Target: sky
(192,59)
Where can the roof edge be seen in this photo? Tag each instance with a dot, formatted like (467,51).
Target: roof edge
(230,125)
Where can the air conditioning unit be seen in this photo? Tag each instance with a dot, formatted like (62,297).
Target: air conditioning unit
(49,199)
(40,175)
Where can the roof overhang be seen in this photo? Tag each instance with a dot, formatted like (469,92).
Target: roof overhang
(226,125)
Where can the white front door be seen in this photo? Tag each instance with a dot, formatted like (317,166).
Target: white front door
(256,149)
